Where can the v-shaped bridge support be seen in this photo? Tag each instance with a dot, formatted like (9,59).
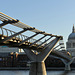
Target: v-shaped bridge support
(68,63)
(37,60)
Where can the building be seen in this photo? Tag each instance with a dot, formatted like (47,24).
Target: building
(12,57)
(70,44)
(5,49)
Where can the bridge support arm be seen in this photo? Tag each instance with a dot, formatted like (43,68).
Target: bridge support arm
(30,54)
(67,64)
(37,60)
(67,67)
(45,53)
(36,67)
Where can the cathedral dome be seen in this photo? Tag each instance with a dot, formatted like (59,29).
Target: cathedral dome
(72,35)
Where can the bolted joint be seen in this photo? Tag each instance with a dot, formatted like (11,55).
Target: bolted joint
(13,21)
(5,21)
(40,32)
(54,35)
(29,28)
(32,28)
(61,37)
(10,21)
(49,35)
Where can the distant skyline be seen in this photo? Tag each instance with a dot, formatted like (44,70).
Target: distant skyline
(52,16)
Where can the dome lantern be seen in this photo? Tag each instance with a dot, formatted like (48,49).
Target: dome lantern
(73,30)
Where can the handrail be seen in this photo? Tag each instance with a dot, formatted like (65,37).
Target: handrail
(20,36)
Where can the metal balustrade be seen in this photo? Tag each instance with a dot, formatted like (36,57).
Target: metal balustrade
(7,33)
(20,37)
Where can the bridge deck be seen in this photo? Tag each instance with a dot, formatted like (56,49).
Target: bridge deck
(15,41)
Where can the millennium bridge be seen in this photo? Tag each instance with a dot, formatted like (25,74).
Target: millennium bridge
(36,50)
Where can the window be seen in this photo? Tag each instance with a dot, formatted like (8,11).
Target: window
(74,45)
(68,45)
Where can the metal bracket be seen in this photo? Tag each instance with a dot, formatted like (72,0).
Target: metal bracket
(8,22)
(29,28)
(41,32)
